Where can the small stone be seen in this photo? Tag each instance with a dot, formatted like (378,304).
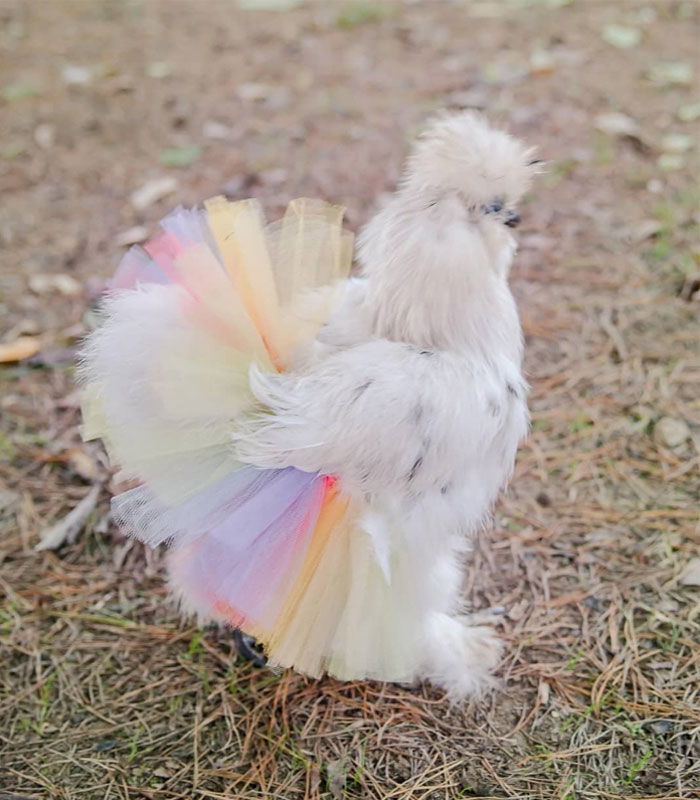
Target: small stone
(671,432)
(671,73)
(44,135)
(159,69)
(232,187)
(8,501)
(470,98)
(676,143)
(254,91)
(670,161)
(215,130)
(689,112)
(76,75)
(104,746)
(162,772)
(616,124)
(517,611)
(661,726)
(274,177)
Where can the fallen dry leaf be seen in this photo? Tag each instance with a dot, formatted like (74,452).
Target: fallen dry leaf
(622,37)
(542,62)
(23,347)
(152,191)
(691,573)
(180,156)
(81,463)
(45,283)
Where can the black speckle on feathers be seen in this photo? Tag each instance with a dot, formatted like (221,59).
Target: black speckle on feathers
(362,389)
(415,468)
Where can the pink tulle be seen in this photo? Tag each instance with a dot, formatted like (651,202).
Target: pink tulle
(245,564)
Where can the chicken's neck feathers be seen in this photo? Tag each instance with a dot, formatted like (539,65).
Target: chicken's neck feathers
(437,280)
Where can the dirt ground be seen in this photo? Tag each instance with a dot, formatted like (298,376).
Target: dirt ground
(105,692)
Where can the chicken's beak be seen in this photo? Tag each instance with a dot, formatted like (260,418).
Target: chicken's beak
(512,219)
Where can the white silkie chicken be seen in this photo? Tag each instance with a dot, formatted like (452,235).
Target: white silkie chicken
(320,493)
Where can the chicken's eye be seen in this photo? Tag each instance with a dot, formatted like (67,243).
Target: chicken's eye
(495,206)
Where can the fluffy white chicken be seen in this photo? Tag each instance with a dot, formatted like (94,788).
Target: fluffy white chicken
(413,393)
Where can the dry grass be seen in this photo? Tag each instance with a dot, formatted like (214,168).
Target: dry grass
(104,691)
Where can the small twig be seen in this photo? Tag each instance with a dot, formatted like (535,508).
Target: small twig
(69,527)
(608,326)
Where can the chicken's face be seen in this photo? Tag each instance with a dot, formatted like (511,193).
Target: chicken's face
(499,213)
(465,170)
(495,222)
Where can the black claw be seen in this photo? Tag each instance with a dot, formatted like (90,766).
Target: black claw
(248,648)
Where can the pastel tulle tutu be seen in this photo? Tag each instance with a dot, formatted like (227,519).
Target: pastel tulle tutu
(280,553)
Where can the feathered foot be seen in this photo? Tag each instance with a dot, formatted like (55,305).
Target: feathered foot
(460,657)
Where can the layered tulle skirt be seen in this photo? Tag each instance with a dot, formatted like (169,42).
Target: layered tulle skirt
(282,554)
